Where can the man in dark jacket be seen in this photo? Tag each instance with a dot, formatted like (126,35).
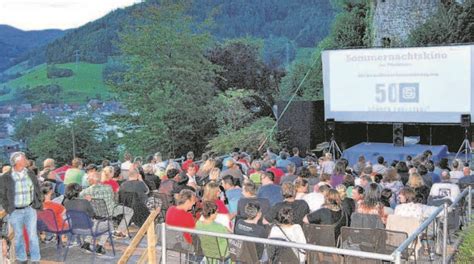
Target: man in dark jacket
(20,195)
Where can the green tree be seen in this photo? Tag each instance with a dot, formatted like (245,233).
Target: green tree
(168,82)
(57,142)
(26,129)
(453,23)
(351,28)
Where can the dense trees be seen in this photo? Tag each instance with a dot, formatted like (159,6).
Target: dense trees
(453,23)
(168,83)
(46,138)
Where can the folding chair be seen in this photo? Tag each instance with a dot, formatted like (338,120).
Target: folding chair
(360,239)
(212,249)
(406,225)
(102,212)
(243,252)
(47,222)
(321,235)
(162,200)
(81,224)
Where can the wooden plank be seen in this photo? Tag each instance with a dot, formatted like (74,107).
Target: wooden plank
(143,258)
(138,237)
(151,236)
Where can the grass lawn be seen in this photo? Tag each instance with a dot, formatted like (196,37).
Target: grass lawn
(86,82)
(466,250)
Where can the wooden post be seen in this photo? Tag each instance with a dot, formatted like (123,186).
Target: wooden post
(138,237)
(151,236)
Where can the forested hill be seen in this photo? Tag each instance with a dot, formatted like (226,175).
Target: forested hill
(284,26)
(15,42)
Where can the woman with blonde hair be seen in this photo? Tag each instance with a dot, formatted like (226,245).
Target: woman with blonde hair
(206,168)
(422,191)
(106,178)
(212,193)
(391,180)
(348,205)
(301,186)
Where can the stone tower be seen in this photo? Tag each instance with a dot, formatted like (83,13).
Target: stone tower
(394,19)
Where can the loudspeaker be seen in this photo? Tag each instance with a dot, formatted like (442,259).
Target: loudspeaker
(331,124)
(465,120)
(398,134)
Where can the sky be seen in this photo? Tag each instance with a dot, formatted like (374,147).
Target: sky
(57,14)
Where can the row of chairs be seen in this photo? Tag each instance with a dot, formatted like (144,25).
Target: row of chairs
(78,223)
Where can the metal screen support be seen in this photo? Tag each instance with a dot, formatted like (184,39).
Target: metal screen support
(469,205)
(445,233)
(163,243)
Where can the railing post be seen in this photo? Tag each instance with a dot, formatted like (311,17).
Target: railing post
(398,257)
(163,243)
(445,233)
(469,205)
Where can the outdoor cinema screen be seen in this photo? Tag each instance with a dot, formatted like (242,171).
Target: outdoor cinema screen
(420,85)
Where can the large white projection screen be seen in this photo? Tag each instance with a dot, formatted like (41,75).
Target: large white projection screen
(419,85)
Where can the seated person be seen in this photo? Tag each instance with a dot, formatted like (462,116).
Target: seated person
(410,206)
(287,230)
(316,199)
(372,203)
(208,223)
(167,186)
(135,184)
(251,226)
(445,189)
(73,202)
(330,213)
(299,207)
(212,193)
(107,175)
(269,190)
(179,215)
(58,210)
(97,190)
(249,190)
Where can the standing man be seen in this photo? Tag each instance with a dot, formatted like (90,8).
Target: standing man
(20,195)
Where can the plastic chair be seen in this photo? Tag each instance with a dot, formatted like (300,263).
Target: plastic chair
(278,254)
(102,212)
(81,224)
(47,222)
(243,252)
(212,250)
(360,239)
(162,200)
(132,200)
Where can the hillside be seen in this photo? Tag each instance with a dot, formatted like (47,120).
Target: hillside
(86,83)
(282,24)
(15,42)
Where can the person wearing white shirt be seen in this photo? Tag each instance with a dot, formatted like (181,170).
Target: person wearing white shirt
(316,199)
(445,188)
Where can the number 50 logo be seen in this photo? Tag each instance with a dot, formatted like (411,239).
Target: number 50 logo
(397,93)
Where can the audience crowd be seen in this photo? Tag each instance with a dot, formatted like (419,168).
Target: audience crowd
(266,196)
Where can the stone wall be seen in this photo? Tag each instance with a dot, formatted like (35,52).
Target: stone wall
(394,19)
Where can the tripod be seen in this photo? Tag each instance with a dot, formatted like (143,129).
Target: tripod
(334,148)
(465,146)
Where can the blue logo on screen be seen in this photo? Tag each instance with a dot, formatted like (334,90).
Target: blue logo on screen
(409,92)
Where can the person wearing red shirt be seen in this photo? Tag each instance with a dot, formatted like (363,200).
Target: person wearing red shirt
(189,160)
(179,215)
(276,171)
(107,175)
(58,210)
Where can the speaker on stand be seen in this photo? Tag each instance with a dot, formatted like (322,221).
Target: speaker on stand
(465,145)
(398,134)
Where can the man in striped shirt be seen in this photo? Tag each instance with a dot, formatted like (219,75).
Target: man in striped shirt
(20,195)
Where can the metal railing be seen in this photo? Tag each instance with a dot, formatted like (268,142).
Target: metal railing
(396,256)
(467,193)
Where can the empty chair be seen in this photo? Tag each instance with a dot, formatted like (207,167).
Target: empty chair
(213,249)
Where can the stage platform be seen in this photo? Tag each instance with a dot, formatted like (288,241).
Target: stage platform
(371,150)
